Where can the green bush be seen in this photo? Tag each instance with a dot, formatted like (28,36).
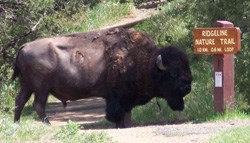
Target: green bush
(70,133)
(67,132)
(8,90)
(151,113)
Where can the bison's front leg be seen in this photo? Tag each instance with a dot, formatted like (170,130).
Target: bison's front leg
(126,122)
(116,113)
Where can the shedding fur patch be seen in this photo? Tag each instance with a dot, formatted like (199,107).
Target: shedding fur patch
(140,38)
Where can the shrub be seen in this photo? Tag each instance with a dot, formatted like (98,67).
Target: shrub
(67,132)
(7,90)
(70,133)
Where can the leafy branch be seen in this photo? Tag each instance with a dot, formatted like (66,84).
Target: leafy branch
(18,38)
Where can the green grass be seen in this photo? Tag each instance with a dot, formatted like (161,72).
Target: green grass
(69,133)
(29,130)
(25,131)
(230,115)
(234,135)
(151,113)
(100,16)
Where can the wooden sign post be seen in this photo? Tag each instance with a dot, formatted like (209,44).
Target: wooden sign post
(223,41)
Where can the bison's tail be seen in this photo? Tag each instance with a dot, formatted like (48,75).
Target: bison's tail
(16,70)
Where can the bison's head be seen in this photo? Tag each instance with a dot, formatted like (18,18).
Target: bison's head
(171,76)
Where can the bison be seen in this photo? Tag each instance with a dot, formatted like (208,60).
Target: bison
(122,66)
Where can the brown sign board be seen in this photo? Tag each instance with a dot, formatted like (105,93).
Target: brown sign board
(222,40)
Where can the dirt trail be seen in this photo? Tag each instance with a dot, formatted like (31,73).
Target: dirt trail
(88,112)
(137,15)
(181,133)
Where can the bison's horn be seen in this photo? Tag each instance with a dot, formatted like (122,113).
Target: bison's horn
(160,64)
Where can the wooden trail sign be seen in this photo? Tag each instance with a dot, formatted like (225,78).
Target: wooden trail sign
(223,41)
(219,40)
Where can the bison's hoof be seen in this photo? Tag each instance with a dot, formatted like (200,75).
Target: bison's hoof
(46,121)
(118,126)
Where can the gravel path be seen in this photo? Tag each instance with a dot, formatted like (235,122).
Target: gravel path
(181,133)
(137,15)
(89,111)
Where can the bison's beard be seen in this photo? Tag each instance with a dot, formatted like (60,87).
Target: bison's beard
(176,104)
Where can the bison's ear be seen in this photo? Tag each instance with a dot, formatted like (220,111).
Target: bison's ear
(160,64)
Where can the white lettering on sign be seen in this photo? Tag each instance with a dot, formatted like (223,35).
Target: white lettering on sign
(218,79)
(204,42)
(216,49)
(227,41)
(229,49)
(202,49)
(214,33)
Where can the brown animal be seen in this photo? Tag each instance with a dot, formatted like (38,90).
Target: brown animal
(124,67)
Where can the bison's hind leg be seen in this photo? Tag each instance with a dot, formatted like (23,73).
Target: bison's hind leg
(64,103)
(40,101)
(21,99)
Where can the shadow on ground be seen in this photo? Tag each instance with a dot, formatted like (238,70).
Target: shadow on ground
(89,113)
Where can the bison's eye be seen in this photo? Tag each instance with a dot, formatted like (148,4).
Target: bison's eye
(164,77)
(186,81)
(174,74)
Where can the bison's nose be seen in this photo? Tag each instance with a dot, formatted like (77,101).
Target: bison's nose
(184,90)
(187,89)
